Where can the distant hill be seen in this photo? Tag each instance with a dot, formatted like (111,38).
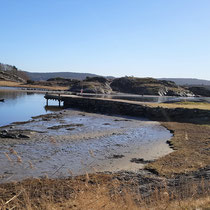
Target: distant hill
(188,81)
(11,73)
(67,75)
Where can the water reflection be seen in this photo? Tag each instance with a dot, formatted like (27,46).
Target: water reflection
(10,94)
(53,108)
(21,106)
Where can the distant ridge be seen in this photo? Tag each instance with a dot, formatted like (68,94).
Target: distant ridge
(67,75)
(12,73)
(188,81)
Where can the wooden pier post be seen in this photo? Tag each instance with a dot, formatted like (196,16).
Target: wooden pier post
(46,98)
(59,99)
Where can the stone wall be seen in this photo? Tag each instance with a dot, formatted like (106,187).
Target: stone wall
(104,106)
(138,110)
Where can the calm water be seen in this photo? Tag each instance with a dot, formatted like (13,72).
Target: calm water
(20,106)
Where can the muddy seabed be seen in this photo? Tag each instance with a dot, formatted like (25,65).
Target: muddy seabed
(74,142)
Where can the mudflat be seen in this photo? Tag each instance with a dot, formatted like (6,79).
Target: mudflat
(72,142)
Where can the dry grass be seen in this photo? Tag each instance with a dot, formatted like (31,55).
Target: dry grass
(16,84)
(9,83)
(192,149)
(97,192)
(187,105)
(104,191)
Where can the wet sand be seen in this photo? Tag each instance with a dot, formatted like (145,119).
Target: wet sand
(74,142)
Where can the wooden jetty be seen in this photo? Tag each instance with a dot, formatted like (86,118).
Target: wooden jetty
(55,97)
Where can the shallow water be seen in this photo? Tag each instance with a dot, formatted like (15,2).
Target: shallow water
(20,106)
(88,148)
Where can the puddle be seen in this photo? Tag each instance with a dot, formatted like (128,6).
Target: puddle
(80,143)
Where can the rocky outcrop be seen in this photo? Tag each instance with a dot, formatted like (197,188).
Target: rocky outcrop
(11,73)
(200,90)
(98,85)
(148,86)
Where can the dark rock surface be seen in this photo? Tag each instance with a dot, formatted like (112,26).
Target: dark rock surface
(140,160)
(13,134)
(65,126)
(148,86)
(200,90)
(99,85)
(115,156)
(53,82)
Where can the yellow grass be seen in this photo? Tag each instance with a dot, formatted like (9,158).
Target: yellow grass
(9,83)
(191,144)
(103,192)
(188,105)
(16,84)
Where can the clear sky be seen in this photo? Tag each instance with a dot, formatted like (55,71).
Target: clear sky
(144,38)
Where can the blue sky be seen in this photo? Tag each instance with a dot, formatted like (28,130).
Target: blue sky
(144,38)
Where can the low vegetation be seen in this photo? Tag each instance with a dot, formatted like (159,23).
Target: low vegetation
(187,105)
(102,191)
(191,143)
(31,86)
